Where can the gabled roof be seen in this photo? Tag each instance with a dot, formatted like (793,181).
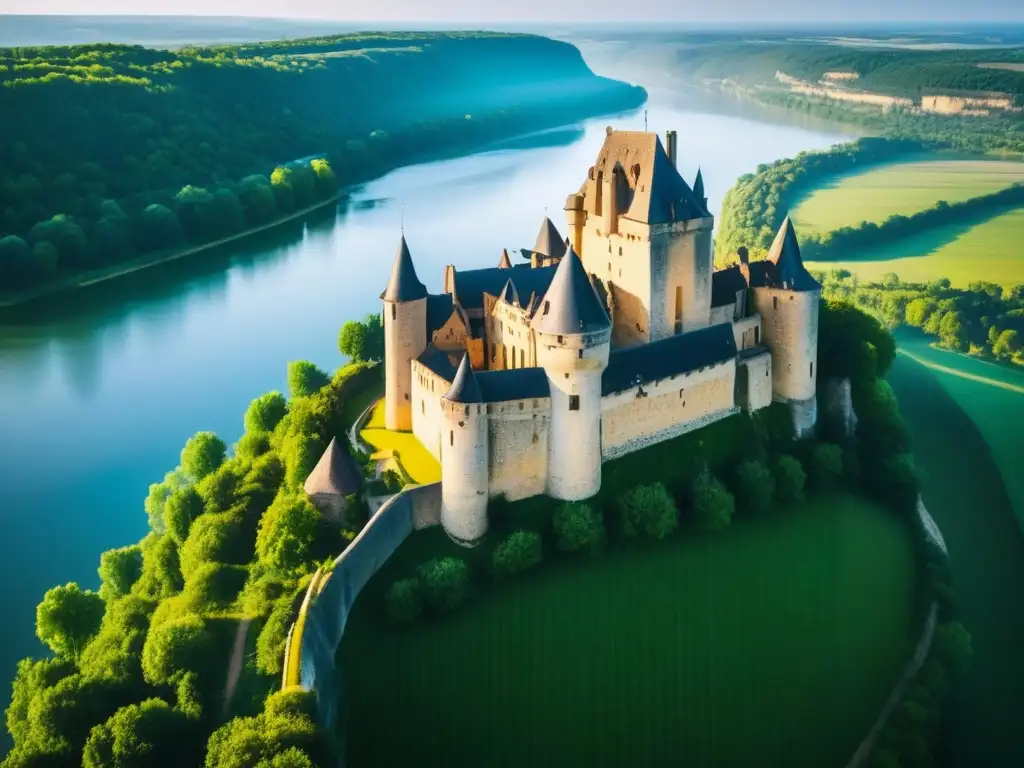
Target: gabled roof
(439,309)
(725,284)
(464,388)
(504,263)
(472,284)
(404,285)
(437,362)
(668,357)
(570,305)
(789,272)
(335,473)
(650,189)
(513,384)
(549,241)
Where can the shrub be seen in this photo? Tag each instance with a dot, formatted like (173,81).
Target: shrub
(755,486)
(202,454)
(519,552)
(825,465)
(713,505)
(789,480)
(577,526)
(648,510)
(403,601)
(445,583)
(273,637)
(214,585)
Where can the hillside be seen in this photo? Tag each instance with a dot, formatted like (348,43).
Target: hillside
(133,125)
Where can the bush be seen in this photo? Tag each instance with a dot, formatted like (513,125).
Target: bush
(648,510)
(755,486)
(825,465)
(445,583)
(519,552)
(713,505)
(577,527)
(403,601)
(273,637)
(214,585)
(789,480)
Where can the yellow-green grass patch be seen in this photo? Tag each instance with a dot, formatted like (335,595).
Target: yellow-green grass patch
(900,188)
(990,251)
(414,458)
(775,642)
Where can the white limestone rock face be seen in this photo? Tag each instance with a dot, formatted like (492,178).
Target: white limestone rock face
(839,405)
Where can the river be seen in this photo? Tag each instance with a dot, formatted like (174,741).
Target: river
(100,388)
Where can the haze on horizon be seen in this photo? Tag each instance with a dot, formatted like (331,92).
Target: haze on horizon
(747,12)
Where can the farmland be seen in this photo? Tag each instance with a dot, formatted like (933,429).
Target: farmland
(773,643)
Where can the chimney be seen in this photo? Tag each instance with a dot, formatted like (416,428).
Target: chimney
(670,146)
(610,202)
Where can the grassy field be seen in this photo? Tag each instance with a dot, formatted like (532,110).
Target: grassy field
(962,252)
(965,493)
(774,643)
(417,463)
(900,188)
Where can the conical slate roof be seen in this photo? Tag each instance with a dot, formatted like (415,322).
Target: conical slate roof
(790,272)
(571,305)
(404,285)
(504,263)
(465,388)
(698,186)
(335,473)
(549,241)
(509,294)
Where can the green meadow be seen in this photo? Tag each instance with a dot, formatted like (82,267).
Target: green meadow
(772,643)
(965,434)
(900,188)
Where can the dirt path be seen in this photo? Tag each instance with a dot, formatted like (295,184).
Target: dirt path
(235,664)
(963,374)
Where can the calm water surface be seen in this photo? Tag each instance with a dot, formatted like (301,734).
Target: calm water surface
(100,389)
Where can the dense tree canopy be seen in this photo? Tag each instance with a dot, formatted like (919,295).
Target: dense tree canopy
(68,617)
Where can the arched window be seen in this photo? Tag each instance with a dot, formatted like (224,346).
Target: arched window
(451,437)
(394,311)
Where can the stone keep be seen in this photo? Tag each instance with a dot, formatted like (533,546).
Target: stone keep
(464,452)
(405,337)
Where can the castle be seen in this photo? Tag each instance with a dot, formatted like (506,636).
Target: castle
(522,379)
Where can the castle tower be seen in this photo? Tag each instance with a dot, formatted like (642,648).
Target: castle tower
(573,336)
(405,337)
(576,213)
(464,456)
(788,305)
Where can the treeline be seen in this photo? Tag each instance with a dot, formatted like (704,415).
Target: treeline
(137,676)
(843,243)
(983,319)
(755,206)
(103,233)
(99,126)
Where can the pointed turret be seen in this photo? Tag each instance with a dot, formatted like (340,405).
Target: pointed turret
(571,305)
(504,263)
(790,272)
(335,473)
(404,285)
(698,189)
(549,242)
(509,294)
(465,388)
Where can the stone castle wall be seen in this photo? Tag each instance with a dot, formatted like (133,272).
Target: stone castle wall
(622,261)
(510,340)
(790,330)
(755,373)
(681,267)
(464,462)
(427,419)
(519,431)
(667,408)
(405,338)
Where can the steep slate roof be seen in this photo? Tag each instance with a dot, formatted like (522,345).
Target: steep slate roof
(513,384)
(471,284)
(698,186)
(571,305)
(668,357)
(549,241)
(725,284)
(335,473)
(439,309)
(438,362)
(658,194)
(464,388)
(403,285)
(789,272)
(504,263)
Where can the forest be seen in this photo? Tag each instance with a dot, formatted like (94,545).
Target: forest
(122,150)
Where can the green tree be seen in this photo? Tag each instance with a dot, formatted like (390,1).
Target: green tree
(161,570)
(919,310)
(281,186)
(67,618)
(303,182)
(754,487)
(46,257)
(305,379)
(952,332)
(648,510)
(16,265)
(519,552)
(226,213)
(213,537)
(112,238)
(213,586)
(31,680)
(203,453)
(825,465)
(177,646)
(66,236)
(444,583)
(403,601)
(713,505)
(119,570)
(197,212)
(1007,344)
(257,199)
(252,445)
(158,228)
(145,735)
(265,412)
(273,637)
(181,508)
(326,182)
(952,647)
(362,339)
(286,535)
(577,526)
(789,480)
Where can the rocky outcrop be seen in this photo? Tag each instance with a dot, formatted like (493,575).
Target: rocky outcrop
(839,406)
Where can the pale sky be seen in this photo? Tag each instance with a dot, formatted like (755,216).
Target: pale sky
(578,11)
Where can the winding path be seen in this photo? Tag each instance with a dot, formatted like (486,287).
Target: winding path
(962,374)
